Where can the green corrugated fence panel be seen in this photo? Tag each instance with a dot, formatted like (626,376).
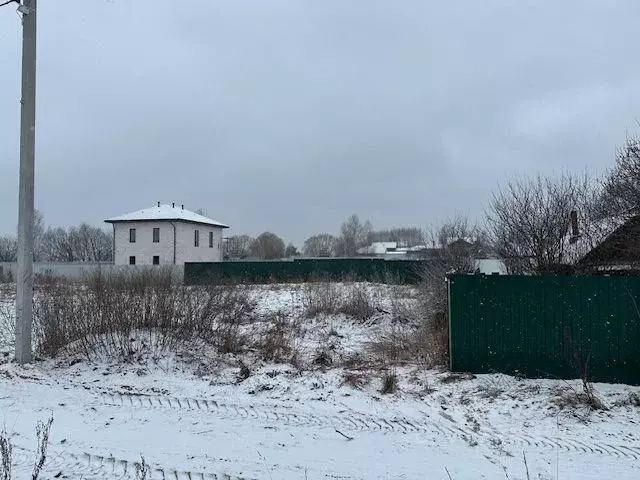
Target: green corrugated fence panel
(361,269)
(539,326)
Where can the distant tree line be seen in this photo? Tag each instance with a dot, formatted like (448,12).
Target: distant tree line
(83,243)
(354,235)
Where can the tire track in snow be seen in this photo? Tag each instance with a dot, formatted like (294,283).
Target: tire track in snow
(348,421)
(90,466)
(572,445)
(354,421)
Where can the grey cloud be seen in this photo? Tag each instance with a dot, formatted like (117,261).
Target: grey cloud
(289,115)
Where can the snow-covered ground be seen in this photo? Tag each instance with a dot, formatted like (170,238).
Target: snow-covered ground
(196,415)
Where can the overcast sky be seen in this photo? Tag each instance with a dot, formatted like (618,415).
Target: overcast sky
(289,115)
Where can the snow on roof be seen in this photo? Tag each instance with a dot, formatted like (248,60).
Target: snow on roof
(165,212)
(590,236)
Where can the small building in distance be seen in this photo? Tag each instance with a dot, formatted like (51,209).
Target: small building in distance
(165,235)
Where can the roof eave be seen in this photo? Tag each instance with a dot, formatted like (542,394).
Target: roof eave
(115,220)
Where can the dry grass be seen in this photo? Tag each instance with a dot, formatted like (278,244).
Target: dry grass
(406,344)
(418,332)
(389,383)
(355,380)
(43,430)
(491,388)
(327,298)
(320,298)
(278,343)
(6,456)
(631,400)
(7,321)
(127,314)
(143,470)
(570,398)
(358,303)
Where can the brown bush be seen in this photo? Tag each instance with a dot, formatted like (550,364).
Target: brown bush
(358,303)
(278,342)
(128,313)
(389,383)
(320,298)
(355,379)
(427,344)
(7,320)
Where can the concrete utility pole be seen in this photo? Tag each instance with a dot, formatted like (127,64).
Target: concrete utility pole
(24,297)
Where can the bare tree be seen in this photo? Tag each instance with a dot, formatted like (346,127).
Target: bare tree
(459,244)
(529,221)
(404,236)
(268,246)
(9,243)
(238,246)
(621,194)
(38,234)
(353,235)
(77,244)
(8,248)
(321,245)
(91,244)
(291,251)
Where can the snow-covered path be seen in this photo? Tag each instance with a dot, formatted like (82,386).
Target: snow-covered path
(297,428)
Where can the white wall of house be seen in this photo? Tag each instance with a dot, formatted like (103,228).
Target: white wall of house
(144,248)
(188,252)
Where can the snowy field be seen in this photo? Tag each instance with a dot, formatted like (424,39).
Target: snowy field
(196,414)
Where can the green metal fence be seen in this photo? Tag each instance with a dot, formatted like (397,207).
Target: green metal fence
(546,326)
(360,269)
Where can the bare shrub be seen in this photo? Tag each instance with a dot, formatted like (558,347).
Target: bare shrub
(143,470)
(358,303)
(491,389)
(327,347)
(6,456)
(389,383)
(244,372)
(355,379)
(456,377)
(322,358)
(425,344)
(459,243)
(354,359)
(130,313)
(631,400)
(582,367)
(573,399)
(278,342)
(320,298)
(43,430)
(7,321)
(229,338)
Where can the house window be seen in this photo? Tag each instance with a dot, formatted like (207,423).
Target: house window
(132,260)
(196,238)
(132,235)
(156,260)
(156,235)
(210,239)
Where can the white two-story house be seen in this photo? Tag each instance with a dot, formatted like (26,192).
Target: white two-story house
(165,235)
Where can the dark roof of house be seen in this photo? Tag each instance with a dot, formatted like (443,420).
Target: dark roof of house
(621,246)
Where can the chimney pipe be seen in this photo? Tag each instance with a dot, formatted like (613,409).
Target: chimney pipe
(173,205)
(575,232)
